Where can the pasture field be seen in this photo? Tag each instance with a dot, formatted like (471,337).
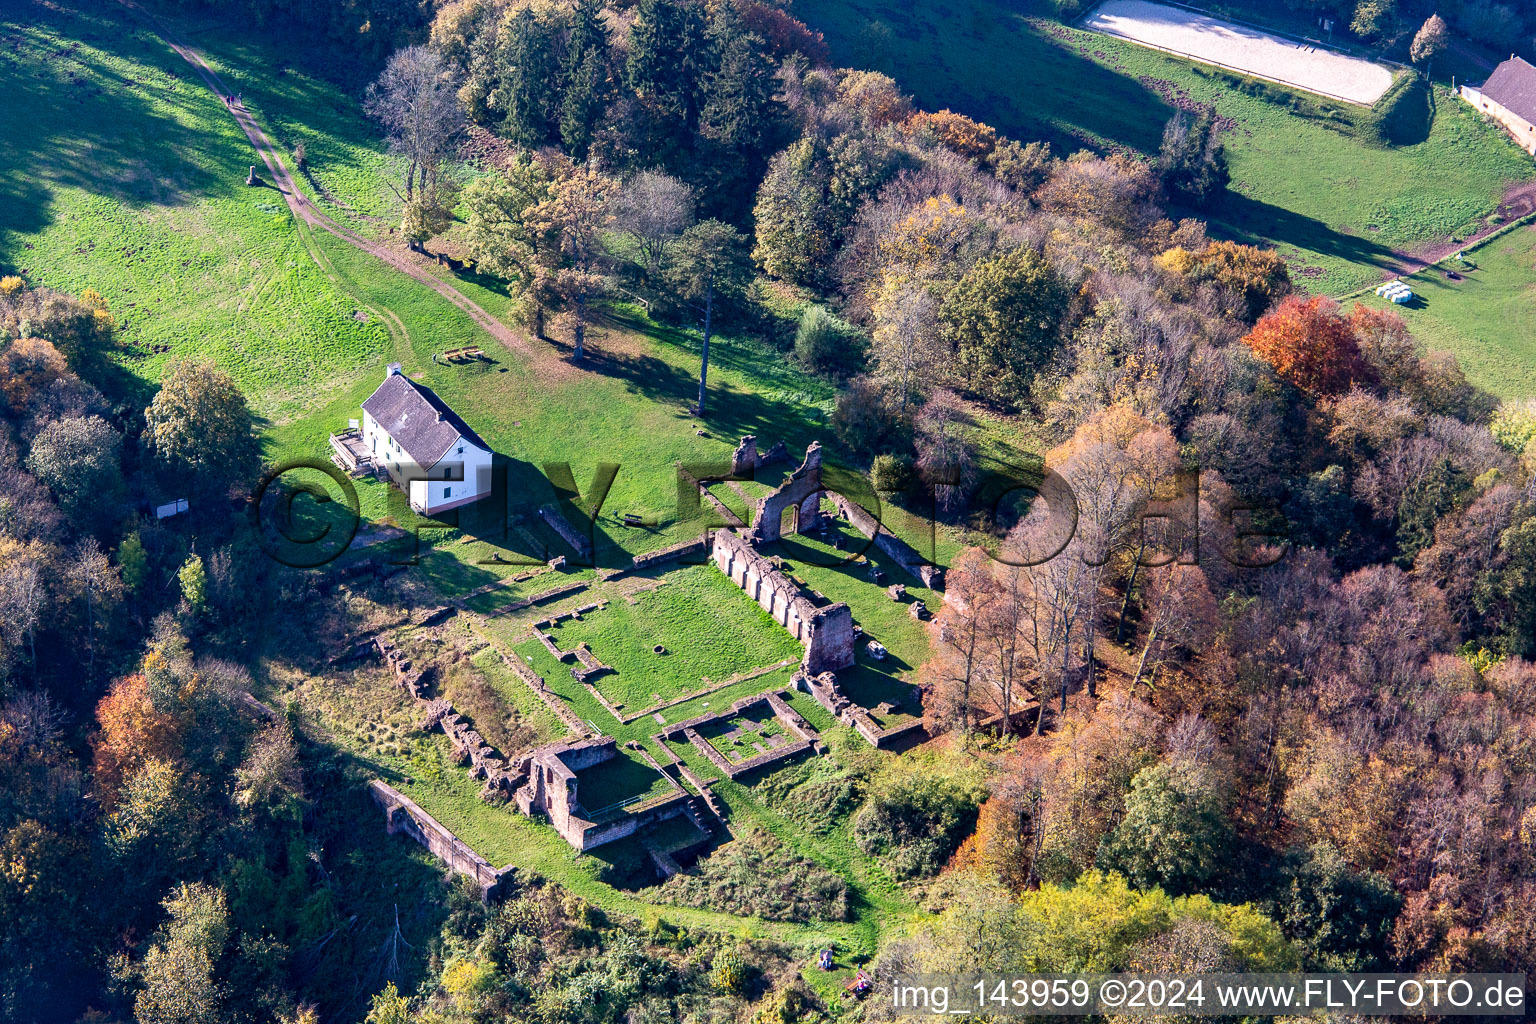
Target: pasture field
(1307,175)
(125,174)
(1486,316)
(122,173)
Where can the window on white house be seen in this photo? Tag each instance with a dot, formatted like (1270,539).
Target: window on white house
(461,449)
(447,491)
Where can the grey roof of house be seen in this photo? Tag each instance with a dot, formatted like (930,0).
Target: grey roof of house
(1513,86)
(420,422)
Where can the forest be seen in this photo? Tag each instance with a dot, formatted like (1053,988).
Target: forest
(1283,668)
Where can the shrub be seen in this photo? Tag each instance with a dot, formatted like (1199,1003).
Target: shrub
(827,343)
(1514,426)
(868,417)
(729,974)
(917,821)
(891,472)
(760,877)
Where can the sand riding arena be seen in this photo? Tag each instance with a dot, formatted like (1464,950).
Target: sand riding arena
(1297,63)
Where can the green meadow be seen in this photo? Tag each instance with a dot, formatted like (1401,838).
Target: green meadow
(1486,314)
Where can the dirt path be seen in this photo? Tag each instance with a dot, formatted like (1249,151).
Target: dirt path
(304,210)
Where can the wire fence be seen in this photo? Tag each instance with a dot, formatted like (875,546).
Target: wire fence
(1082,24)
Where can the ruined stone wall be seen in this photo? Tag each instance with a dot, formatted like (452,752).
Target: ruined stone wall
(747,459)
(593,835)
(892,546)
(829,639)
(669,554)
(802,491)
(827,632)
(552,515)
(401,814)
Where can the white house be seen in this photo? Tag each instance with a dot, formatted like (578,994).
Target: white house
(430,453)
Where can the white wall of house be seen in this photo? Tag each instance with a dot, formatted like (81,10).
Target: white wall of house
(1521,130)
(460,476)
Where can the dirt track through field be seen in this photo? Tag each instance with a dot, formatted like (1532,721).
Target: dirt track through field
(304,210)
(1519,201)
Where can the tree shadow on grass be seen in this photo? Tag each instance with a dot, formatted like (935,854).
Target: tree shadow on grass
(71,120)
(1267,222)
(730,412)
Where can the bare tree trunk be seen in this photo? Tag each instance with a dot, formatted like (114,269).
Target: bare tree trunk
(90,633)
(709,308)
(1130,585)
(410,179)
(1066,666)
(1090,637)
(1142,664)
(581,325)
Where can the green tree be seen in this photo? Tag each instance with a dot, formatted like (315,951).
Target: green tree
(665,50)
(1175,834)
(1429,42)
(1507,594)
(528,76)
(80,461)
(505,237)
(389,1007)
(736,104)
(1374,19)
(809,196)
(586,78)
(1342,918)
(198,424)
(1003,319)
(427,214)
(152,831)
(177,979)
(707,262)
(583,104)
(1193,162)
(193,579)
(1438,491)
(132,562)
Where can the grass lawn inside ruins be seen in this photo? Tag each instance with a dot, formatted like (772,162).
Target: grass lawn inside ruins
(707,631)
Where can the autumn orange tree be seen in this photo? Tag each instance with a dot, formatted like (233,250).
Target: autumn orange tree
(132,731)
(957,132)
(1311,346)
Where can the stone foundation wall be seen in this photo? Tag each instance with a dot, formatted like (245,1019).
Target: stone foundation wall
(568,533)
(674,553)
(401,814)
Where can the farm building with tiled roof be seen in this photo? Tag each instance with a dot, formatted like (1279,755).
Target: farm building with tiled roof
(1509,97)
